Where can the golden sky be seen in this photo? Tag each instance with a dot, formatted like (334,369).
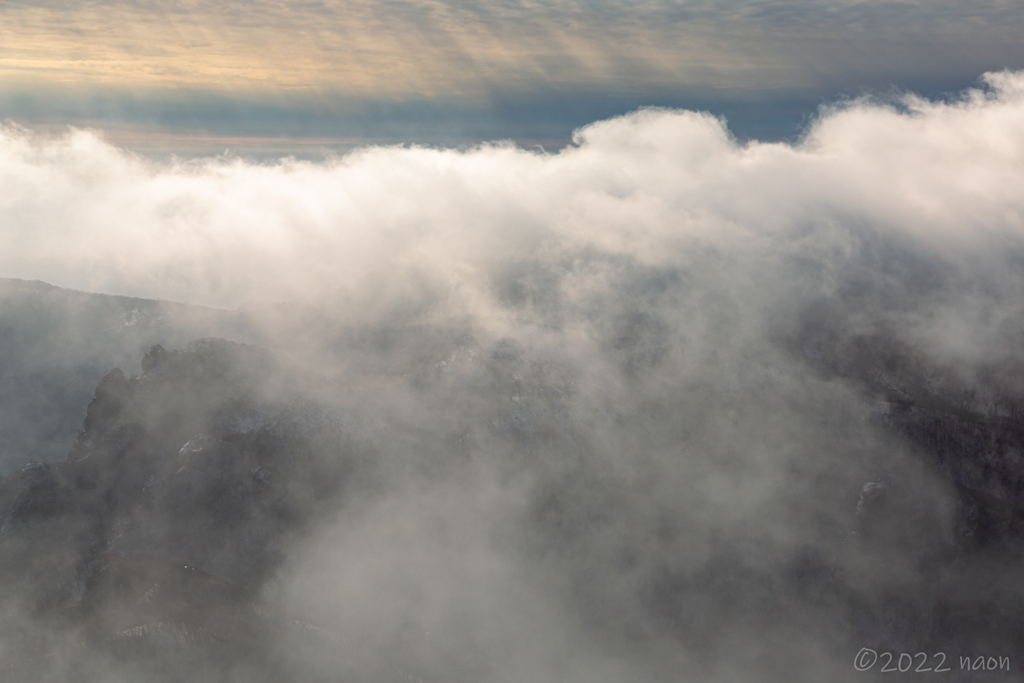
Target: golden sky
(397,50)
(425,47)
(431,48)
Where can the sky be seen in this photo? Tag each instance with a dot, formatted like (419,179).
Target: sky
(272,78)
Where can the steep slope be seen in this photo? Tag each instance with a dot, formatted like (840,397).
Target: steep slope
(55,345)
(170,512)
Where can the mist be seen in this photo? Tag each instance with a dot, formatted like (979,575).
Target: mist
(614,413)
(651,188)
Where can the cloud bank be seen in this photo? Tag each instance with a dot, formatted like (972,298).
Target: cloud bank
(617,433)
(656,189)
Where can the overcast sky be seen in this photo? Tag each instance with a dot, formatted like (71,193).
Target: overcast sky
(341,72)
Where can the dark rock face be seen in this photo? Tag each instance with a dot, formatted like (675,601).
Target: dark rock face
(107,403)
(925,567)
(974,444)
(169,514)
(148,551)
(55,345)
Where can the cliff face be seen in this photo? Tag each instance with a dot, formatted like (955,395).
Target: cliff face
(930,567)
(964,424)
(172,510)
(55,345)
(157,548)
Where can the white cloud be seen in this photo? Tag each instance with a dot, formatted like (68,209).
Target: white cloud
(656,186)
(652,436)
(909,213)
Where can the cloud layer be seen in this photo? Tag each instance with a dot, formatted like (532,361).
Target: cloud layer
(602,447)
(457,48)
(452,72)
(656,188)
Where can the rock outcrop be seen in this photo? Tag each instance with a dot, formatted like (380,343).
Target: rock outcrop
(171,511)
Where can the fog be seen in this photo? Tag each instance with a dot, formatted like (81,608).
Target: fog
(606,414)
(651,188)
